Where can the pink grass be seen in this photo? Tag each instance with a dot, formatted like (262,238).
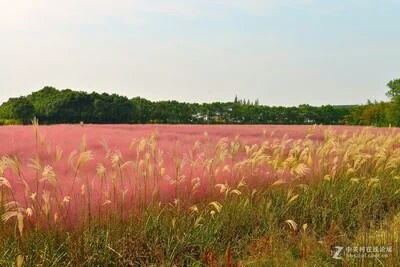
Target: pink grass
(19,141)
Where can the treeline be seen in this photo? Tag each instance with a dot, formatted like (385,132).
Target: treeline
(380,114)
(52,106)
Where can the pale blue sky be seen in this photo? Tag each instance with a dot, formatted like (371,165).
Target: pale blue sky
(283,52)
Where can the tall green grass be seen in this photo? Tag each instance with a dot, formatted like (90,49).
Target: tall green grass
(254,229)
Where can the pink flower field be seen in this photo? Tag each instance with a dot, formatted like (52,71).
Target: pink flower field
(20,140)
(73,170)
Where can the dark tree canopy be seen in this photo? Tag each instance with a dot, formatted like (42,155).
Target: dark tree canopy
(52,106)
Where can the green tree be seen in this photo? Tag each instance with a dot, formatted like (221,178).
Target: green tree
(394,94)
(394,89)
(51,106)
(21,109)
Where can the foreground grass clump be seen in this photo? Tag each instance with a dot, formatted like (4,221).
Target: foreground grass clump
(253,228)
(277,203)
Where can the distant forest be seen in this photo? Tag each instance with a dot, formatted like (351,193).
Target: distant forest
(53,106)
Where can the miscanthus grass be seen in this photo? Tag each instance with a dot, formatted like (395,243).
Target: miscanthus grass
(281,202)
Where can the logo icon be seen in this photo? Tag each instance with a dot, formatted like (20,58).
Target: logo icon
(336,254)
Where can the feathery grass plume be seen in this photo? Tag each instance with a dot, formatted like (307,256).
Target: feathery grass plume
(49,175)
(13,209)
(116,158)
(46,202)
(292,224)
(48,148)
(35,123)
(3,166)
(35,164)
(72,157)
(4,182)
(198,222)
(83,158)
(142,145)
(216,205)
(83,190)
(42,138)
(101,170)
(83,144)
(133,144)
(293,198)
(29,212)
(59,153)
(20,222)
(279,182)
(13,164)
(106,148)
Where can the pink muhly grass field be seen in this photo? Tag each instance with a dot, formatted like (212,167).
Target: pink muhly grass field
(20,140)
(123,186)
